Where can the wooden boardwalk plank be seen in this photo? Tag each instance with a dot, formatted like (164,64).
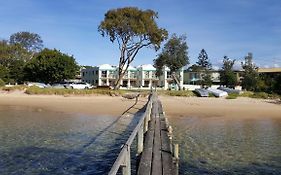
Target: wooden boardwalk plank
(157,159)
(167,159)
(146,157)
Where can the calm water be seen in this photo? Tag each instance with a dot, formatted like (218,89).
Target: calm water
(223,146)
(36,141)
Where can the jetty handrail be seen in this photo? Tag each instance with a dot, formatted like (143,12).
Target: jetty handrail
(124,159)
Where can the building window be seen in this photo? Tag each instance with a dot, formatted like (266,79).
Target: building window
(133,74)
(146,83)
(93,72)
(111,74)
(169,74)
(153,74)
(103,73)
(146,74)
(83,74)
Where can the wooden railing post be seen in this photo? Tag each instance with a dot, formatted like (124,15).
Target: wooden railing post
(140,140)
(176,151)
(149,110)
(145,128)
(176,158)
(170,135)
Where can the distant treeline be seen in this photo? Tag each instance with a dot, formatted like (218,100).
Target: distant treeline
(24,58)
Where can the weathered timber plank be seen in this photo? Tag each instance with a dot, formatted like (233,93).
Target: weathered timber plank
(157,159)
(145,164)
(167,158)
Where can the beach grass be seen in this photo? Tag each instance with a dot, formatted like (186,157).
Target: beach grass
(260,95)
(13,88)
(232,96)
(176,93)
(84,92)
(65,92)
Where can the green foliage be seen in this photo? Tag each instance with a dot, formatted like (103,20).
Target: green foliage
(50,91)
(177,93)
(4,73)
(2,83)
(174,54)
(212,95)
(204,66)
(51,66)
(195,68)
(227,75)
(16,72)
(133,29)
(250,79)
(13,88)
(203,61)
(277,84)
(269,82)
(232,96)
(32,42)
(262,95)
(12,60)
(206,79)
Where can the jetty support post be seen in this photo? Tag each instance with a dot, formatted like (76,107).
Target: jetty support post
(126,168)
(176,151)
(176,158)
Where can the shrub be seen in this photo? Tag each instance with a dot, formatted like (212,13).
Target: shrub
(232,96)
(211,95)
(2,83)
(185,93)
(51,91)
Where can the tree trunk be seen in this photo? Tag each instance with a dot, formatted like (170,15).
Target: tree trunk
(176,79)
(118,82)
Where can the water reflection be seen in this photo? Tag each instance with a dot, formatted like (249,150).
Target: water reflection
(35,141)
(219,145)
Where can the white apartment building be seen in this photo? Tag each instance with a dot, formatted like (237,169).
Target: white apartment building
(143,76)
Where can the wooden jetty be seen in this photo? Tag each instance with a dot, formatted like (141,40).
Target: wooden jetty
(157,154)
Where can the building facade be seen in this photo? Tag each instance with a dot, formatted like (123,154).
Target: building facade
(143,76)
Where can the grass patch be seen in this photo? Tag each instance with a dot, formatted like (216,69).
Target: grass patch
(13,88)
(176,93)
(211,95)
(51,91)
(260,95)
(232,96)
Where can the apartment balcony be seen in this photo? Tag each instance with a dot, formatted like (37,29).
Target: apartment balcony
(112,76)
(133,77)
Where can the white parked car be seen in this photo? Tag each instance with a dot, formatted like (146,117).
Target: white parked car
(78,86)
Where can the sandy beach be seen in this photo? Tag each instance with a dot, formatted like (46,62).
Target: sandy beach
(220,107)
(173,106)
(93,105)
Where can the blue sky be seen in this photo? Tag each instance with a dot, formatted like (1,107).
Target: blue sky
(221,27)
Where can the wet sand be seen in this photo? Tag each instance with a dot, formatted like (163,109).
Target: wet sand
(93,105)
(219,107)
